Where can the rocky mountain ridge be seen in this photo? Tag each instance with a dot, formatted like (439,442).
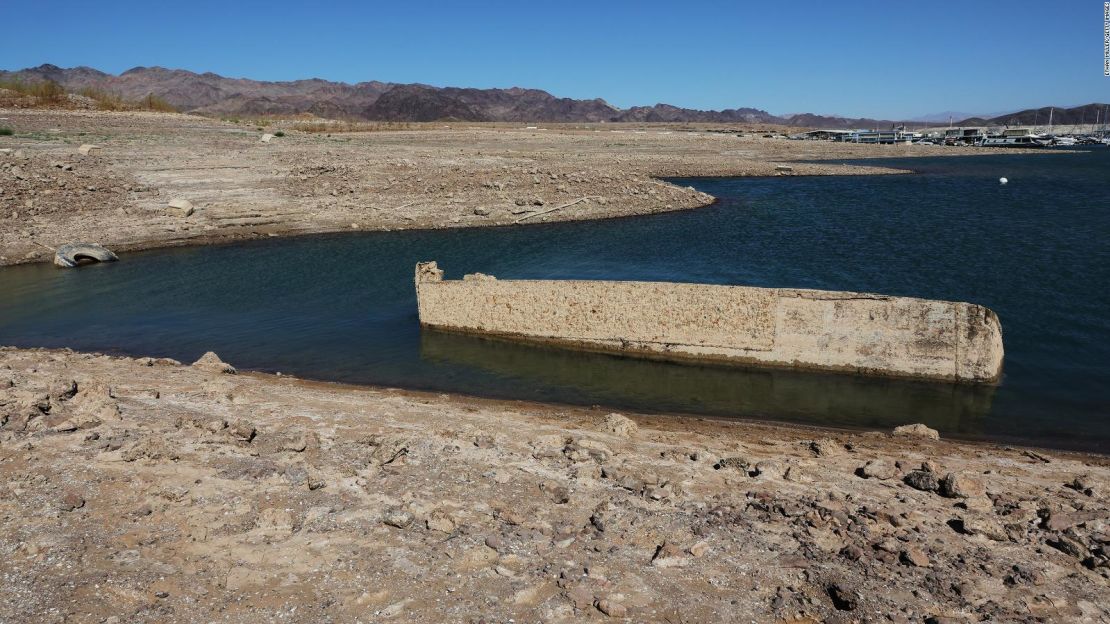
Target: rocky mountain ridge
(210,93)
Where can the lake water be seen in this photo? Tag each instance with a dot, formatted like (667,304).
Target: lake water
(342,307)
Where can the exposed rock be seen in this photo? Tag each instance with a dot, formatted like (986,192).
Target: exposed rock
(241,430)
(212,362)
(439,521)
(89,149)
(399,518)
(797,474)
(71,500)
(740,464)
(388,448)
(843,599)
(922,480)
(181,207)
(481,211)
(580,596)
(826,447)
(914,556)
(980,524)
(768,469)
(620,425)
(917,430)
(877,469)
(1068,545)
(1085,484)
(668,555)
(612,608)
(957,485)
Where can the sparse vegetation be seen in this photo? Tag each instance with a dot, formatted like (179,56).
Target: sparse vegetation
(5,131)
(154,103)
(104,99)
(350,126)
(279,133)
(46,91)
(52,93)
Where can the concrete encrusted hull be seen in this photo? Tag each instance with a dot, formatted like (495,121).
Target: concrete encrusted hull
(804,329)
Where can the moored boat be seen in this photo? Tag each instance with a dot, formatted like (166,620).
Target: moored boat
(1016,137)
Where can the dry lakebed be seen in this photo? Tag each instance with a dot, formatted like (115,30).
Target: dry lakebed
(150,490)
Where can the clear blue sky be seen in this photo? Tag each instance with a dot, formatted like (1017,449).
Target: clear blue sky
(882,59)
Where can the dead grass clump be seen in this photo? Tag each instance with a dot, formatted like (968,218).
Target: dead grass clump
(47,91)
(106,100)
(154,103)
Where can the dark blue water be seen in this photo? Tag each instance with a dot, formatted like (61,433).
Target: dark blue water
(342,307)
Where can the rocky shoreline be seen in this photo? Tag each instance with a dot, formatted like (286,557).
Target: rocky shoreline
(145,490)
(129,194)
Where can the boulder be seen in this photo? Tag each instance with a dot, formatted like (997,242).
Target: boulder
(619,425)
(398,518)
(980,524)
(877,469)
(914,556)
(826,447)
(88,149)
(922,480)
(212,362)
(612,608)
(266,138)
(71,254)
(917,430)
(181,207)
(956,485)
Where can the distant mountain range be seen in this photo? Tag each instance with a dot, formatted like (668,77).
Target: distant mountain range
(1074,116)
(213,94)
(210,93)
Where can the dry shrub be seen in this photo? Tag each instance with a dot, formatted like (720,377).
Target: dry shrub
(46,91)
(154,103)
(104,99)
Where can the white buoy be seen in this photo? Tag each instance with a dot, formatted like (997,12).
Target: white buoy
(1002,180)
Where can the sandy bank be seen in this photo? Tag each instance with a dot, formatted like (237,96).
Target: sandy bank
(453,175)
(152,491)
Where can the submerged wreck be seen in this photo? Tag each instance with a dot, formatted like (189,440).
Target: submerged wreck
(763,327)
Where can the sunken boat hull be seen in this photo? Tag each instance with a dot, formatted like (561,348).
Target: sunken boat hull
(762,327)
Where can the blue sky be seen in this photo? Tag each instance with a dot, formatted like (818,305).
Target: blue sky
(880,59)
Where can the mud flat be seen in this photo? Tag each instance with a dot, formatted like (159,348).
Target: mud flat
(434,176)
(144,490)
(850,332)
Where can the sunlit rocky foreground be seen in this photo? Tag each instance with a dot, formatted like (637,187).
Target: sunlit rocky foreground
(145,490)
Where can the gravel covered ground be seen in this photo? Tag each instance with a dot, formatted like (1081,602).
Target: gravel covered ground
(140,490)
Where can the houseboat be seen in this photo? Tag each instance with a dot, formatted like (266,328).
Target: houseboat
(964,136)
(1016,137)
(897,135)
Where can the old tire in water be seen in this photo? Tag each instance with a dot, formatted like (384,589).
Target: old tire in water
(73,254)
